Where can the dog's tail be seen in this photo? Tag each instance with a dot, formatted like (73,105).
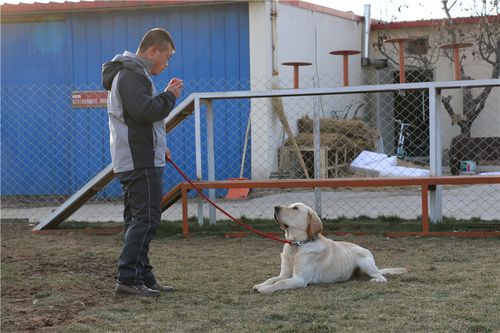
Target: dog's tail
(393,271)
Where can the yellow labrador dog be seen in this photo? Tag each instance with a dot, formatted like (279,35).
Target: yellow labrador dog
(312,258)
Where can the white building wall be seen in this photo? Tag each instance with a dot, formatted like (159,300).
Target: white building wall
(310,36)
(301,35)
(261,77)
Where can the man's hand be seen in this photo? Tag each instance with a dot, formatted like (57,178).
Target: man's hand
(175,86)
(168,154)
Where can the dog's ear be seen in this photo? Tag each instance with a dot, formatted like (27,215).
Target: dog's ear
(314,225)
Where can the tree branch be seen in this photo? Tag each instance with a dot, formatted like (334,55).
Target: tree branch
(455,118)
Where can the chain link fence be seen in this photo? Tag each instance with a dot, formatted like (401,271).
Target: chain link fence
(50,149)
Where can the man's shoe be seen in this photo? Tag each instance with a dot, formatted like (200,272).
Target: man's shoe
(164,289)
(139,290)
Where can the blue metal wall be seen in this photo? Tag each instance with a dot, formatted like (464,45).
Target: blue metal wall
(42,134)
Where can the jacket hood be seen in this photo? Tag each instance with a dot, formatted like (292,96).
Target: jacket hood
(120,61)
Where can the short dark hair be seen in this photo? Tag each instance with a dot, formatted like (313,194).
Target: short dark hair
(156,37)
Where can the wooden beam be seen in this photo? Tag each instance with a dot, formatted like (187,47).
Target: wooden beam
(348,182)
(423,182)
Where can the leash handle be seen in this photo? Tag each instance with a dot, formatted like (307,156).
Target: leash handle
(169,160)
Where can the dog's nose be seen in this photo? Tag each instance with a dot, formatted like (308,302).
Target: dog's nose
(277,209)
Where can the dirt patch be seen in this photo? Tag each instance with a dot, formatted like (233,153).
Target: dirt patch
(78,278)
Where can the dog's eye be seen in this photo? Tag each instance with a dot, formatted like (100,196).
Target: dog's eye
(296,208)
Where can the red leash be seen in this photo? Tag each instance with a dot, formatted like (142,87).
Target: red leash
(222,210)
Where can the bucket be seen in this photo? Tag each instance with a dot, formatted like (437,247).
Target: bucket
(237,193)
(467,167)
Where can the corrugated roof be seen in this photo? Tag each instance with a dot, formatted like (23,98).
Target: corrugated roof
(433,23)
(98,5)
(321,9)
(23,8)
(78,6)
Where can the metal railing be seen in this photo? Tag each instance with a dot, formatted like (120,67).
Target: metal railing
(433,89)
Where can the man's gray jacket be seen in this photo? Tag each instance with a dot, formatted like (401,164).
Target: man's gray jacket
(136,113)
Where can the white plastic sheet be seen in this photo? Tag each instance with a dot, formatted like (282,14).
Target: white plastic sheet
(385,166)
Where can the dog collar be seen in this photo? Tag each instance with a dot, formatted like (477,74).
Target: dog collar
(302,242)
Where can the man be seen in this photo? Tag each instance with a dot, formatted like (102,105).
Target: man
(137,141)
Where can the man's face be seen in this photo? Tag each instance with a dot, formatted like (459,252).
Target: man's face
(160,59)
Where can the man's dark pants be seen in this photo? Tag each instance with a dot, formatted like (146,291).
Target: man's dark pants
(142,194)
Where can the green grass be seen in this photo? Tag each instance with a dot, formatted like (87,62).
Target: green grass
(366,224)
(63,283)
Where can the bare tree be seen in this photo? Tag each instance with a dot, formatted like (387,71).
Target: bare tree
(484,32)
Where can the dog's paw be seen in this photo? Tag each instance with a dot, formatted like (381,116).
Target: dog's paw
(257,286)
(265,289)
(379,280)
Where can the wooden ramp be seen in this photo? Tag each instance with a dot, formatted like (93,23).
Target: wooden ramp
(103,178)
(77,200)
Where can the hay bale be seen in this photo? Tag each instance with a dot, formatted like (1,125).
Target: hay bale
(331,140)
(305,125)
(364,143)
(352,135)
(350,128)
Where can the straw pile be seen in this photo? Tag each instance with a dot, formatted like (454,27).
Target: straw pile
(337,134)
(339,141)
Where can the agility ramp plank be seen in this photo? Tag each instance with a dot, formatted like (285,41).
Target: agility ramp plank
(103,178)
(78,199)
(171,197)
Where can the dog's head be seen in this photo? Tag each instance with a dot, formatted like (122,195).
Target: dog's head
(298,220)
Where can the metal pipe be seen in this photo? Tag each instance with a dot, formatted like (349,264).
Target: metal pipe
(274,38)
(365,59)
(197,140)
(435,154)
(317,156)
(425,208)
(211,157)
(179,112)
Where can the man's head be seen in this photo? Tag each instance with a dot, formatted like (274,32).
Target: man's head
(157,46)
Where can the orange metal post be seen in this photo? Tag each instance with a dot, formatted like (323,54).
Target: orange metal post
(456,61)
(296,65)
(456,56)
(185,223)
(401,51)
(345,69)
(402,74)
(345,54)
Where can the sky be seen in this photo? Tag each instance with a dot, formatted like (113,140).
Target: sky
(402,10)
(386,10)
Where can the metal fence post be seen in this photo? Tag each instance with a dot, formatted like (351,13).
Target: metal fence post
(197,139)
(210,157)
(317,157)
(435,154)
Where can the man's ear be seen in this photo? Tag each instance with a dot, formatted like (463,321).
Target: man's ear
(314,225)
(155,49)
